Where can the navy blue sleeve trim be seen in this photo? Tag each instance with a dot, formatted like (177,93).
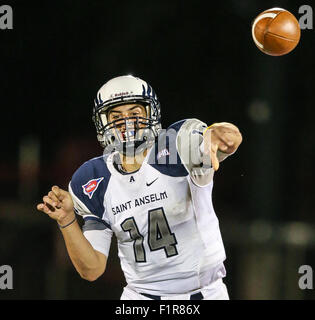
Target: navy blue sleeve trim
(164,157)
(89,184)
(177,125)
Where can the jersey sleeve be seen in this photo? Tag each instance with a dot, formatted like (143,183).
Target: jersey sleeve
(189,145)
(190,148)
(87,189)
(179,152)
(98,235)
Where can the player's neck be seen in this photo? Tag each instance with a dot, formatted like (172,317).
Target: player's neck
(131,164)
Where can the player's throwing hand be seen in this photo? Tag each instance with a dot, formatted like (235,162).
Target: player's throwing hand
(58,205)
(224,137)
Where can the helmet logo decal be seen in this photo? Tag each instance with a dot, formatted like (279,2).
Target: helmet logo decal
(90,187)
(121,94)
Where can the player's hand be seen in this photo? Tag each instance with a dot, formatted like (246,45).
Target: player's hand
(58,205)
(222,136)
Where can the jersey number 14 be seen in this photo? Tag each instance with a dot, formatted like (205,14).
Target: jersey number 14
(159,235)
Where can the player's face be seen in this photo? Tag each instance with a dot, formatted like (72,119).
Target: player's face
(133,112)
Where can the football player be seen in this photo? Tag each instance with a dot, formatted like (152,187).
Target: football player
(152,188)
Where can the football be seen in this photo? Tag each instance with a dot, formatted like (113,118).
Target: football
(276,31)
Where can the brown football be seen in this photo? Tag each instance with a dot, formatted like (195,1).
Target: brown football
(276,31)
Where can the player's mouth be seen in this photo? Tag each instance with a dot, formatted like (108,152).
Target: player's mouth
(128,134)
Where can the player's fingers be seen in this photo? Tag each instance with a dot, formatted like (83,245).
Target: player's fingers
(211,142)
(49,203)
(215,163)
(214,158)
(223,147)
(40,206)
(228,138)
(44,208)
(56,191)
(54,198)
(224,138)
(59,192)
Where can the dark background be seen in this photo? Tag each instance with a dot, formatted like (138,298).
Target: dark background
(200,59)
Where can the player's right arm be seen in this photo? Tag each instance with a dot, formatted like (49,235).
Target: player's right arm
(58,205)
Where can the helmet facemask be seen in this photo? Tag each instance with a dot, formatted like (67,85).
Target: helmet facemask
(128,135)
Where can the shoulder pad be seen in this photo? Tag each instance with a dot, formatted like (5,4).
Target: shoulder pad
(164,156)
(89,184)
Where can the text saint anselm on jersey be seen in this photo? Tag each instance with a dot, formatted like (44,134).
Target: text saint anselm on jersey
(153,197)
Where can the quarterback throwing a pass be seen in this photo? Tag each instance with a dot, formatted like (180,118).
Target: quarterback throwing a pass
(152,189)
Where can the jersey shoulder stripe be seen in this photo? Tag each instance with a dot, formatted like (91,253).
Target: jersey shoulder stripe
(89,184)
(177,125)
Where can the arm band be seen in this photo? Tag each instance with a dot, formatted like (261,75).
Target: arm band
(62,227)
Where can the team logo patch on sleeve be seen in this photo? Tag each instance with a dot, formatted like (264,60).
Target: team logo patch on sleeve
(90,187)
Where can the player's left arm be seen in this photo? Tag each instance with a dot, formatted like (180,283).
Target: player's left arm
(219,141)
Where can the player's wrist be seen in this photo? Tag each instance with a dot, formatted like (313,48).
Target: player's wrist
(67,220)
(208,128)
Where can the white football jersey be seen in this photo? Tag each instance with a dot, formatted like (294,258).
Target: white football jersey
(162,215)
